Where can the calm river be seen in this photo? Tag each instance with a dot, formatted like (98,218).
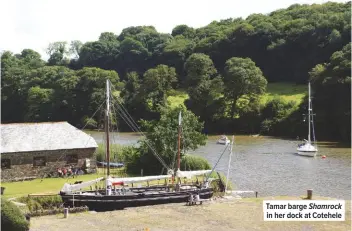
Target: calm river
(271,167)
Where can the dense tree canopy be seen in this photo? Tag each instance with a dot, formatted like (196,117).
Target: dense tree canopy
(332,84)
(223,67)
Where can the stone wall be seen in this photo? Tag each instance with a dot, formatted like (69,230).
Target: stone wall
(22,162)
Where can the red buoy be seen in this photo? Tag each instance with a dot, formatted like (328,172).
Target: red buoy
(323,157)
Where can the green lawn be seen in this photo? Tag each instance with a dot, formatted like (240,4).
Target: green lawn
(286,91)
(48,185)
(176,100)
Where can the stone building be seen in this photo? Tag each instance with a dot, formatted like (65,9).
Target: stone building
(37,149)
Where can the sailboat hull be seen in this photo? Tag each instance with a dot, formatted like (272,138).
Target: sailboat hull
(134,199)
(307,150)
(307,153)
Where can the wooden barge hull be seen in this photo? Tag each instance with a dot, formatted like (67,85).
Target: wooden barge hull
(116,202)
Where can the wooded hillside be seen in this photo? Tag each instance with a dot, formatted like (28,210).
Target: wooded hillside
(224,68)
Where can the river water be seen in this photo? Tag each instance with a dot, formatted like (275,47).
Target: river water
(271,167)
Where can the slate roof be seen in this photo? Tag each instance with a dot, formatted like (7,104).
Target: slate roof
(26,137)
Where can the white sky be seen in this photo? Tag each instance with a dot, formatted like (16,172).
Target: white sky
(35,23)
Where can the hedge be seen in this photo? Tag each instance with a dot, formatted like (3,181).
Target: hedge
(12,219)
(36,203)
(192,162)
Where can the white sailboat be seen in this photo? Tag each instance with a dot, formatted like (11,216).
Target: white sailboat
(307,148)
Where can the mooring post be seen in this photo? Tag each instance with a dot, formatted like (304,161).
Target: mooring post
(309,194)
(65,212)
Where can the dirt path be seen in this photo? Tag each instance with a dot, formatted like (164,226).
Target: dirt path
(224,215)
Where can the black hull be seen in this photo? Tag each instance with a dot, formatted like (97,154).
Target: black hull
(115,202)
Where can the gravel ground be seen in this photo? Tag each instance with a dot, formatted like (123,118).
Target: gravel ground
(219,215)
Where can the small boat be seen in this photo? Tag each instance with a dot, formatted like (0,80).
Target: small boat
(223,140)
(307,148)
(113,165)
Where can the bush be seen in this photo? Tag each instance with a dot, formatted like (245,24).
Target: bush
(134,162)
(216,185)
(12,219)
(42,203)
(89,122)
(116,153)
(274,113)
(191,162)
(132,158)
(265,126)
(278,109)
(58,211)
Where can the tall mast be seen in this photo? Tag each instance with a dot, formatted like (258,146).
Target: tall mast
(229,164)
(179,142)
(107,126)
(309,111)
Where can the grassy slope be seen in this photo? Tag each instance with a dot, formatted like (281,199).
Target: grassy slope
(286,91)
(220,215)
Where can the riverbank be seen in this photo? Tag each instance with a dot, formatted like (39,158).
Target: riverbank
(220,215)
(133,137)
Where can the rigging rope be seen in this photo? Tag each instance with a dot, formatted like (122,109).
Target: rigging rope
(217,161)
(112,125)
(132,124)
(122,113)
(313,123)
(63,154)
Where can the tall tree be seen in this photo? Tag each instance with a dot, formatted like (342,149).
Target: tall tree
(156,83)
(75,48)
(162,137)
(13,87)
(242,77)
(58,52)
(198,67)
(40,105)
(203,86)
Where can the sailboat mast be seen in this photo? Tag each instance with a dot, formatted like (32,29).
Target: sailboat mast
(107,126)
(229,164)
(179,142)
(309,111)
